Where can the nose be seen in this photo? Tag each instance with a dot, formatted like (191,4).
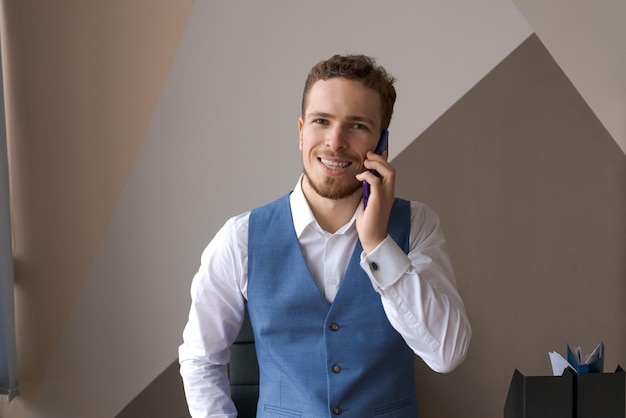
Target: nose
(335,138)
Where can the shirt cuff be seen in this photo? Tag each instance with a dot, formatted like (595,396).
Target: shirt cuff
(386,264)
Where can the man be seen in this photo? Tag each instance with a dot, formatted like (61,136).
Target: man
(341,297)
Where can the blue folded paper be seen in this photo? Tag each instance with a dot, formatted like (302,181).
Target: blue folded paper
(590,363)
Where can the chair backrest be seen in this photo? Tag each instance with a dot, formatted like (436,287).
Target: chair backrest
(243,372)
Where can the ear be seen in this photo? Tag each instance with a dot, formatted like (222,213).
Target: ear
(300,126)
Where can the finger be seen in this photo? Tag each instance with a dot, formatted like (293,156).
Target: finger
(379,157)
(376,157)
(369,177)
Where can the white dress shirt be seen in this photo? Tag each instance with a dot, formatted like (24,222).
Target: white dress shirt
(418,293)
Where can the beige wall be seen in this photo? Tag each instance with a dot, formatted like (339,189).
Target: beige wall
(136,128)
(81,82)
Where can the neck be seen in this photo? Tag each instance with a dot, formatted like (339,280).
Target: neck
(331,214)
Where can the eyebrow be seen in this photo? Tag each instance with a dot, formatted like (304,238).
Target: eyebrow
(351,118)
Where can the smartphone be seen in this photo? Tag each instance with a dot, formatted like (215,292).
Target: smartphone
(383,145)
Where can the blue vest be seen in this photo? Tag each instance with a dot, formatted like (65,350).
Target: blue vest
(318,359)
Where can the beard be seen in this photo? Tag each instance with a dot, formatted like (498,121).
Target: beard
(333,188)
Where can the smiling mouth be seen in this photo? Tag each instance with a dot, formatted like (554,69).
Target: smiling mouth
(334,165)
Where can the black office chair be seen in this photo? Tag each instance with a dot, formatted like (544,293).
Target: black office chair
(243,372)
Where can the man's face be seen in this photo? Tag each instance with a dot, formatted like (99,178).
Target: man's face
(342,121)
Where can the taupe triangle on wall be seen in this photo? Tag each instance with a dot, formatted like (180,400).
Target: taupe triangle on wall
(531,192)
(164,397)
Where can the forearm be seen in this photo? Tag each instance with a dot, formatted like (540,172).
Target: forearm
(206,388)
(432,320)
(421,301)
(203,357)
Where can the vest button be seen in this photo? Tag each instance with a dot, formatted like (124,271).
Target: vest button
(336,410)
(333,326)
(336,368)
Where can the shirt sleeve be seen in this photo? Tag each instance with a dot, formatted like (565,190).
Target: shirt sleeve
(215,319)
(419,293)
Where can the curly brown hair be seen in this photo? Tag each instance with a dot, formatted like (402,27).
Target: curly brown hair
(360,68)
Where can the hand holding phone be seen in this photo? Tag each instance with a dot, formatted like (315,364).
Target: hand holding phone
(383,145)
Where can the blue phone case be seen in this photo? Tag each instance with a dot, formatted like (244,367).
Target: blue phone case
(383,144)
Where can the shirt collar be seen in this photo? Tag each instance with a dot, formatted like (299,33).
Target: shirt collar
(302,214)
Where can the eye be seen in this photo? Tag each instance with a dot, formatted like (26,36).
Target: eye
(359,126)
(320,121)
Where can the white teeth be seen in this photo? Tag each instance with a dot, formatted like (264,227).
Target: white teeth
(334,164)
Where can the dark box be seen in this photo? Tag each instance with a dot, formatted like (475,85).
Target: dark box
(584,395)
(600,394)
(540,396)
